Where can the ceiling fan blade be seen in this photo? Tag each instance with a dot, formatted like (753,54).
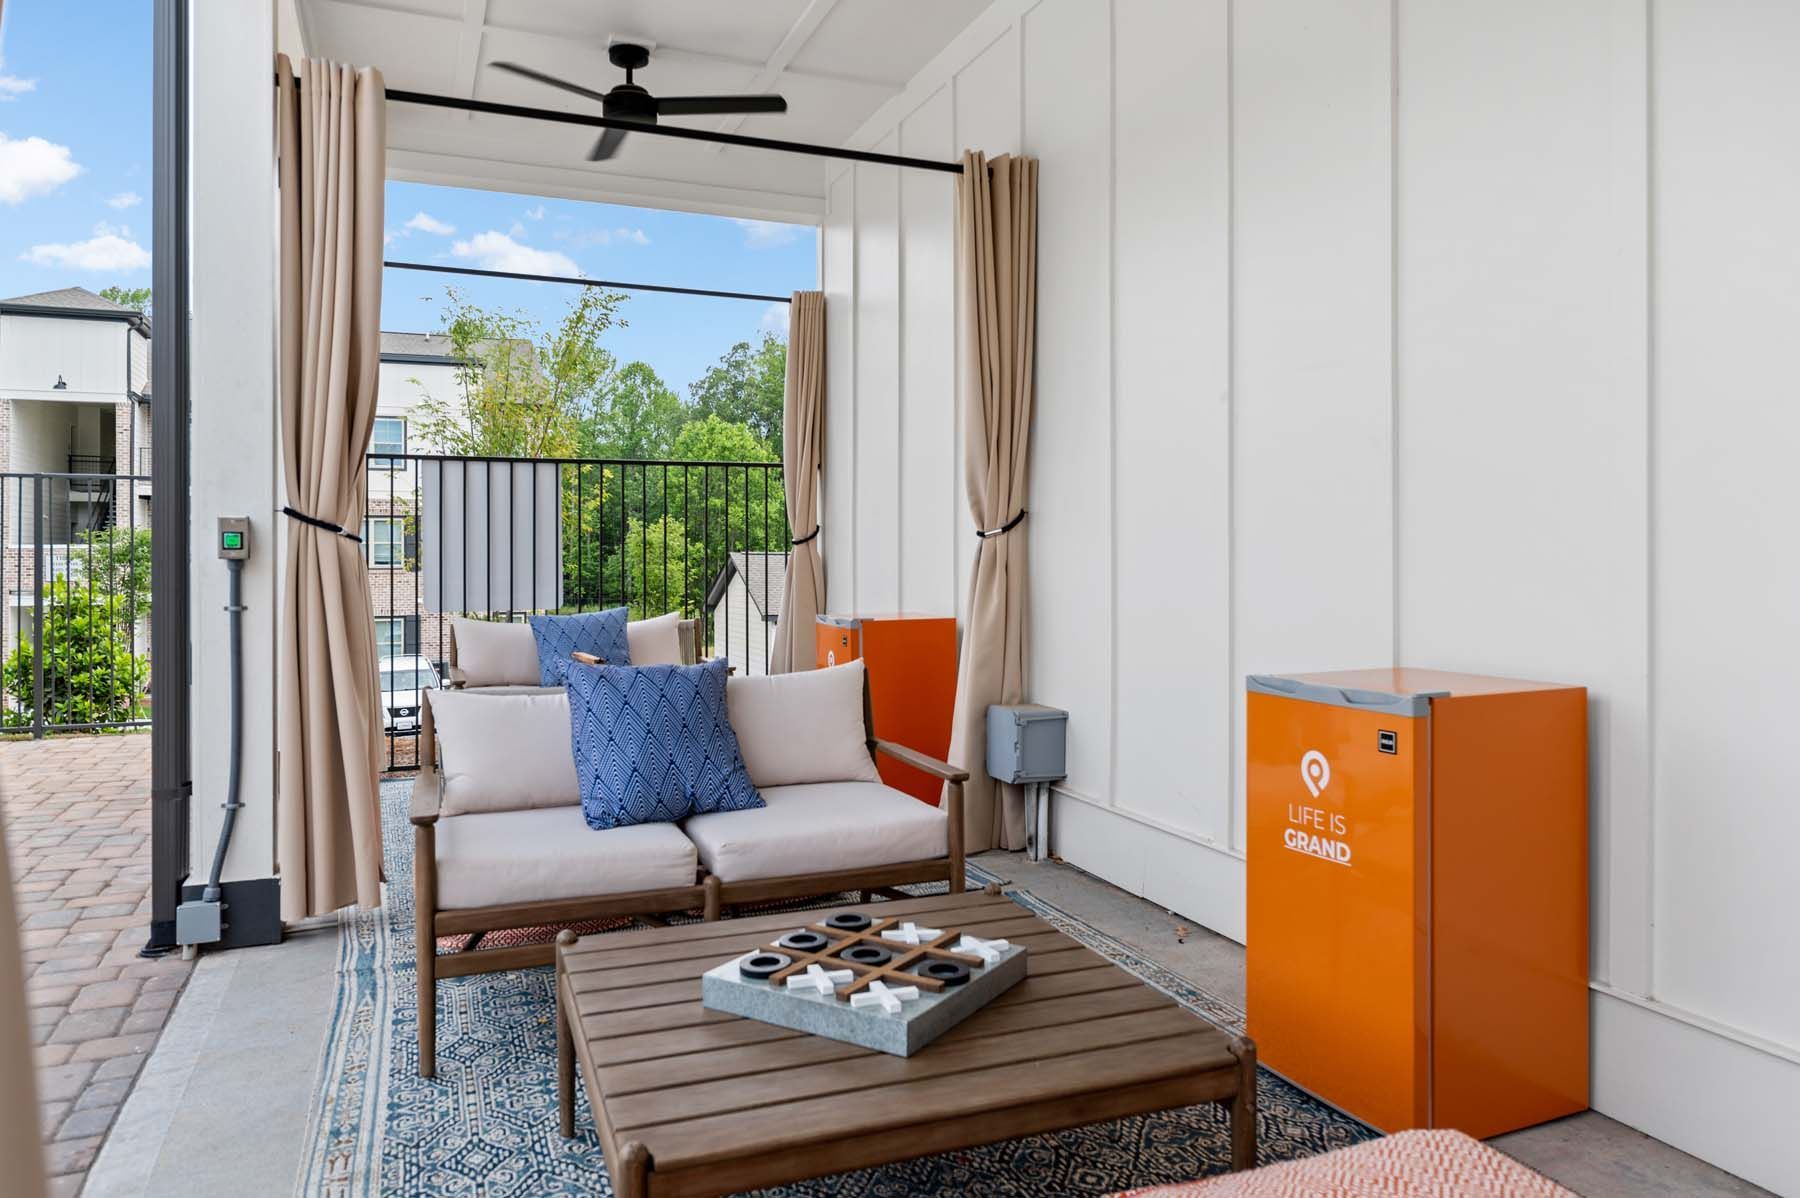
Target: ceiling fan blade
(708,105)
(552,80)
(607,146)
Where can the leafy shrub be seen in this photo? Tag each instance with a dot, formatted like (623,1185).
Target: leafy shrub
(91,675)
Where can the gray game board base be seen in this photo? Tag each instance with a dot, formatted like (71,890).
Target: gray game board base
(921,1020)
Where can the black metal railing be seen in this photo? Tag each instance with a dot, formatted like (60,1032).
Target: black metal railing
(74,636)
(504,538)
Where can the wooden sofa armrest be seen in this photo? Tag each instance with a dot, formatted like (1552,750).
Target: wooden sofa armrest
(919,761)
(587,659)
(427,797)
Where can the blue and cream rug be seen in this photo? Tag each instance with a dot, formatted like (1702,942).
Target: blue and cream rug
(486,1125)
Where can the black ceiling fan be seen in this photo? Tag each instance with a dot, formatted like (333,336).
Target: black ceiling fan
(629,102)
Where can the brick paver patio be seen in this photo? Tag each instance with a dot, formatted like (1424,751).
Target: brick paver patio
(78,821)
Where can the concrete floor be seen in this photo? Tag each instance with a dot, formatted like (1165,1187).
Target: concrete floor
(1589,1153)
(222,1106)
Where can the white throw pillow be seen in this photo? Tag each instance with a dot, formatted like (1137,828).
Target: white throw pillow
(804,727)
(655,642)
(493,653)
(504,752)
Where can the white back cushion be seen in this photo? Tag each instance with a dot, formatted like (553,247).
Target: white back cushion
(504,752)
(655,642)
(803,727)
(491,653)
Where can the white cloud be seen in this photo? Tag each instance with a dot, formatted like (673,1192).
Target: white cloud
(494,250)
(125,199)
(622,234)
(517,232)
(32,166)
(535,213)
(767,234)
(12,87)
(109,249)
(775,320)
(424,222)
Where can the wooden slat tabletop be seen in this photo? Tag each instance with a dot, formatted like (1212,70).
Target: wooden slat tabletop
(696,1102)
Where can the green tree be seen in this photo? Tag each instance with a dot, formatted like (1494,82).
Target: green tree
(659,571)
(131,297)
(521,389)
(745,387)
(635,416)
(117,562)
(91,675)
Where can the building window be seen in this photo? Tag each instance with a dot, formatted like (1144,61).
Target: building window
(396,636)
(389,438)
(390,636)
(384,538)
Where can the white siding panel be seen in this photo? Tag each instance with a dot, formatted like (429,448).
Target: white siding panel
(1070,526)
(931,507)
(1172,415)
(1312,471)
(838,272)
(1727,645)
(878,383)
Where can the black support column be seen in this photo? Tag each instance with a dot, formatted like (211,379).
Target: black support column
(170,774)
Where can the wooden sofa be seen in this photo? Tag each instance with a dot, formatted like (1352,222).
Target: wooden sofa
(464,883)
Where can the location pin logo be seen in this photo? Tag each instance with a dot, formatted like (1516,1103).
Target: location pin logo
(1316,771)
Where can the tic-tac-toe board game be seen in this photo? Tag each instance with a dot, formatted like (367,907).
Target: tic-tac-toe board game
(886,984)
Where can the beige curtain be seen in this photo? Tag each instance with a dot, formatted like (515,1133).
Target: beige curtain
(996,267)
(332,135)
(19,1144)
(802,450)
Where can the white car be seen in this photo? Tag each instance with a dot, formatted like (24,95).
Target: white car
(404,681)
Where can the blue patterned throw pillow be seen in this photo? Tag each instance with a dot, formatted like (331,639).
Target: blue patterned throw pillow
(601,633)
(654,744)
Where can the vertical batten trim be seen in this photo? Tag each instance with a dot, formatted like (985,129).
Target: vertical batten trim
(1111,798)
(1396,642)
(1234,726)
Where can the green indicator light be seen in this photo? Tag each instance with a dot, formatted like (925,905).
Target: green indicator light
(233,540)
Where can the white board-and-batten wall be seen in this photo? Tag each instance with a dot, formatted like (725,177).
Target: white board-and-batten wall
(1446,333)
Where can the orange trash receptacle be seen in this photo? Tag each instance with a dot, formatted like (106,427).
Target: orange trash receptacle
(911,661)
(1417,940)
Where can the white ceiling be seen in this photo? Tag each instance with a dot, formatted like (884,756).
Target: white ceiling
(836,61)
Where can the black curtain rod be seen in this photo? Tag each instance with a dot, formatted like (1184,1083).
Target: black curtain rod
(515,274)
(729,139)
(490,108)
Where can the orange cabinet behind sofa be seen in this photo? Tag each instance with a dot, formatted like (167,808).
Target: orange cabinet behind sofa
(911,661)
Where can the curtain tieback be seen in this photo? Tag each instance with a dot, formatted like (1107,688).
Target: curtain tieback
(808,537)
(327,525)
(985,533)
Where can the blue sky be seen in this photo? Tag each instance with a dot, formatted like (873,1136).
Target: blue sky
(75,173)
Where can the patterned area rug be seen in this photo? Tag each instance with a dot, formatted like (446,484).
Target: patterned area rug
(486,1126)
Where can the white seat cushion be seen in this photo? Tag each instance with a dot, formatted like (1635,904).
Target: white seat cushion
(655,642)
(551,853)
(802,727)
(818,827)
(504,749)
(494,652)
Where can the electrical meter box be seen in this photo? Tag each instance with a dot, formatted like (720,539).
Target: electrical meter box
(1027,742)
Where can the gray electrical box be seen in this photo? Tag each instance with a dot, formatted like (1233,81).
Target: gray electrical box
(1027,742)
(234,537)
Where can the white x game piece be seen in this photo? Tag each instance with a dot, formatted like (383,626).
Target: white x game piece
(887,997)
(911,933)
(819,979)
(987,950)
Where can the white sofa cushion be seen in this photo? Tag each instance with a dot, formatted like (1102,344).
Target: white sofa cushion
(494,653)
(802,727)
(817,827)
(504,750)
(551,853)
(656,641)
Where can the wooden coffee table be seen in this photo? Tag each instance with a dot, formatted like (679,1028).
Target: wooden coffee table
(694,1102)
